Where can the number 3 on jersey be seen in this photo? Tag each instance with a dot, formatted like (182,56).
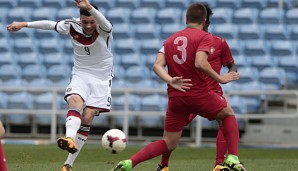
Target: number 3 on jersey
(181,48)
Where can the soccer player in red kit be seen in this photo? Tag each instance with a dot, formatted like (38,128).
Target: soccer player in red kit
(185,54)
(3,166)
(221,56)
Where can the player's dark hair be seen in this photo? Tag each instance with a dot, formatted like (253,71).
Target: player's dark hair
(85,12)
(196,13)
(209,14)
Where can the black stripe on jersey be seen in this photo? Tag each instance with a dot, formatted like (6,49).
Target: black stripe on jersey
(72,21)
(108,38)
(56,26)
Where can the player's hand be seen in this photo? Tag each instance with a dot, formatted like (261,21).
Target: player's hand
(83,4)
(16,26)
(228,77)
(180,84)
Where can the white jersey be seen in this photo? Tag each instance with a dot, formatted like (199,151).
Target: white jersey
(92,53)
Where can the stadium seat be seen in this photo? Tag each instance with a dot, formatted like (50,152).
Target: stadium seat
(61,83)
(226,31)
(282,48)
(123,31)
(210,3)
(118,72)
(271,16)
(57,4)
(3,101)
(168,16)
(276,32)
(247,74)
(143,15)
(292,16)
(40,82)
(128,60)
(67,47)
(150,59)
(157,4)
(67,13)
(147,31)
(140,84)
(24,45)
(50,59)
(119,83)
(238,104)
(137,73)
(273,78)
(24,59)
(168,29)
(10,71)
(151,121)
(9,4)
(261,62)
(236,46)
(290,65)
(44,13)
(119,15)
(14,83)
(234,4)
(126,46)
(31,72)
(255,47)
(232,86)
(221,15)
(5,45)
(250,31)
(275,3)
(24,33)
(105,4)
(245,16)
(154,102)
(48,46)
(45,34)
(254,4)
(177,4)
(58,72)
(241,61)
(3,17)
(29,3)
(293,31)
(7,58)
(133,102)
(17,14)
(150,46)
(132,4)
(21,100)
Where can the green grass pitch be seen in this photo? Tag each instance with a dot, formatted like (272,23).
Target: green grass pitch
(94,158)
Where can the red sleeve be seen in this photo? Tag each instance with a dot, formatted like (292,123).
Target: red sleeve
(205,44)
(226,57)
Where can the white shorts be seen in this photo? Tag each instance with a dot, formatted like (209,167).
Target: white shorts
(96,93)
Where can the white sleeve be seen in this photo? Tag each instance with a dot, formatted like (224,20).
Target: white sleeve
(162,50)
(43,24)
(103,23)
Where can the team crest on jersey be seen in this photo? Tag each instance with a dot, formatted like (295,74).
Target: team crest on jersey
(68,90)
(212,50)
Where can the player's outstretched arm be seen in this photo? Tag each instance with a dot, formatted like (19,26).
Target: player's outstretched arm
(16,26)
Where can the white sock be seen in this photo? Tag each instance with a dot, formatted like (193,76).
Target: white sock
(80,141)
(72,126)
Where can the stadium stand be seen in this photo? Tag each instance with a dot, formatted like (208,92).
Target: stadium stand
(262,38)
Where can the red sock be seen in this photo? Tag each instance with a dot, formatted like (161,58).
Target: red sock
(165,158)
(221,146)
(150,151)
(2,159)
(231,133)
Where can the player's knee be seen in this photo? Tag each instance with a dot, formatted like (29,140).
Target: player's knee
(75,101)
(227,111)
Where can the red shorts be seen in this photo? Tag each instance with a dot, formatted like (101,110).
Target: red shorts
(179,109)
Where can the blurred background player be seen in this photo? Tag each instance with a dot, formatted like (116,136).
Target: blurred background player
(3,166)
(185,54)
(89,91)
(221,56)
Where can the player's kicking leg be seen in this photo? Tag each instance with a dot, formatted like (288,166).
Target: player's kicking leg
(161,167)
(221,167)
(66,167)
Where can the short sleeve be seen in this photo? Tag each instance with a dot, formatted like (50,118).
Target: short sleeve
(227,57)
(205,44)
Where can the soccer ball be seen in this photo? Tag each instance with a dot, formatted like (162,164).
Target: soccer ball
(114,141)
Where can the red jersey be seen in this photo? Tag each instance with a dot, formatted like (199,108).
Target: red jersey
(180,52)
(220,56)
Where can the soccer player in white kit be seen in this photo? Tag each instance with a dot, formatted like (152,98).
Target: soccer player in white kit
(89,91)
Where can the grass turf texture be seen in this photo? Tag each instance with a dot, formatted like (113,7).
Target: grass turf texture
(94,158)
